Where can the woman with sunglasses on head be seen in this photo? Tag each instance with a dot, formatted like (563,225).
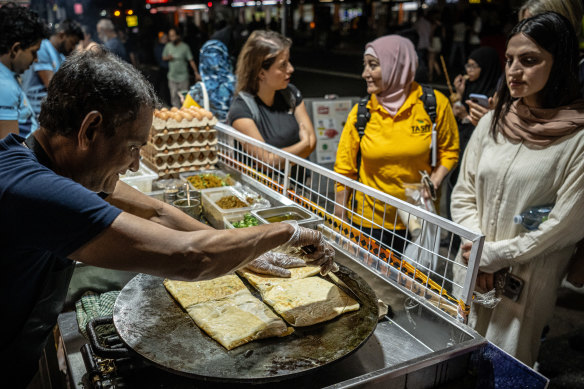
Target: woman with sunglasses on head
(527,152)
(266,106)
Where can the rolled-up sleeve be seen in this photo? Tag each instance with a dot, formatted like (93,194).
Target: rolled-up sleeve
(346,160)
(557,232)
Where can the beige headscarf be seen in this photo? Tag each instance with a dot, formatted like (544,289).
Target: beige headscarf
(399,61)
(541,126)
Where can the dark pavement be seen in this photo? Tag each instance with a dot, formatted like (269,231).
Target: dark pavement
(319,73)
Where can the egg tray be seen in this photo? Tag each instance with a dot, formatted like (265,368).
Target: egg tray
(167,172)
(181,158)
(182,118)
(183,138)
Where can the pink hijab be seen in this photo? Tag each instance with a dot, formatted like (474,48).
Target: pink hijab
(399,61)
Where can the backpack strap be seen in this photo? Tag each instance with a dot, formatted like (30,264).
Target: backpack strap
(363,116)
(429,99)
(206,104)
(249,100)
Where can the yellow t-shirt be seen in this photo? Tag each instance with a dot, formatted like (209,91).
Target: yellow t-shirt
(393,151)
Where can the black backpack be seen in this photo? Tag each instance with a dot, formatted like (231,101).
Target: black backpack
(428,98)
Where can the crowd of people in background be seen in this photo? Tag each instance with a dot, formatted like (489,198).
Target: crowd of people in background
(530,117)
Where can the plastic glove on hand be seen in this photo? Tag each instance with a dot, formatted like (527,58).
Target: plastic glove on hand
(275,264)
(316,250)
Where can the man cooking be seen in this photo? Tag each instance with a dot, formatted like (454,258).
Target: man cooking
(61,201)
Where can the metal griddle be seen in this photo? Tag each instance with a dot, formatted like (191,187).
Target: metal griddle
(154,326)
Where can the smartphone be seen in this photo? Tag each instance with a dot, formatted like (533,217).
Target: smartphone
(479,99)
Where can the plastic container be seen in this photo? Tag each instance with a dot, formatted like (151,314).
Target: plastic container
(215,214)
(532,217)
(229,181)
(197,191)
(140,180)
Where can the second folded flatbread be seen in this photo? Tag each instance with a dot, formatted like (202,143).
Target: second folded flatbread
(256,279)
(302,301)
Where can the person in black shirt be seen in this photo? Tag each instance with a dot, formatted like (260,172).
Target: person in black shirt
(266,106)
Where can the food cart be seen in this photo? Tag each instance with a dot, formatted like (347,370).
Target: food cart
(418,340)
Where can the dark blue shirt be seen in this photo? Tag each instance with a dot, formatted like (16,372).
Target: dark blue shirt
(44,217)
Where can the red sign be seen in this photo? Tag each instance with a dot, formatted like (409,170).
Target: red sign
(156,1)
(323,110)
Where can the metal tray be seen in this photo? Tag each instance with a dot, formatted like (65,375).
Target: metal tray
(154,326)
(302,216)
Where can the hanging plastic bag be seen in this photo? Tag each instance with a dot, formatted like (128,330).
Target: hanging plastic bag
(422,252)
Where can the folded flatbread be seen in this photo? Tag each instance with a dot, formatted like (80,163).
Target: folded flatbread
(190,293)
(302,301)
(256,279)
(227,311)
(237,319)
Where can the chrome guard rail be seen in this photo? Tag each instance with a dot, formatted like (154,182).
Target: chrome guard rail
(313,187)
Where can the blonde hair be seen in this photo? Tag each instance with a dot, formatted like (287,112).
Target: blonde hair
(259,52)
(570,9)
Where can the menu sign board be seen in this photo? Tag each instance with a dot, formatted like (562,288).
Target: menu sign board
(328,118)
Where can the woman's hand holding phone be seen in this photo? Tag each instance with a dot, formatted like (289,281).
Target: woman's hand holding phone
(478,108)
(481,100)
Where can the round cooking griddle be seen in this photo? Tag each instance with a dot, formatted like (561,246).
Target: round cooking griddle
(154,325)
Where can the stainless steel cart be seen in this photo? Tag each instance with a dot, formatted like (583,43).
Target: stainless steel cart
(313,187)
(422,340)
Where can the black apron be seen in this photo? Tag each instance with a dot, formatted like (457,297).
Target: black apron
(27,346)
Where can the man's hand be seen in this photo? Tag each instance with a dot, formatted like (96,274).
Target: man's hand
(318,251)
(275,264)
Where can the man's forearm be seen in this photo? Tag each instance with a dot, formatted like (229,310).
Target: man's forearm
(134,244)
(139,204)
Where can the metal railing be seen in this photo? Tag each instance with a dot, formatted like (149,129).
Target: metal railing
(423,267)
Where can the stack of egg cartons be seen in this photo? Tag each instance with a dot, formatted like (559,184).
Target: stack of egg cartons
(181,140)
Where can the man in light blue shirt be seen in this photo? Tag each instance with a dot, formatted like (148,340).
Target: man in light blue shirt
(21,32)
(52,53)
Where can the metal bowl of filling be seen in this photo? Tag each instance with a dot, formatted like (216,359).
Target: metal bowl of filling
(288,212)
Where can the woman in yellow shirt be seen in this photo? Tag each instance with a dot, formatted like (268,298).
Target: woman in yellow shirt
(396,143)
